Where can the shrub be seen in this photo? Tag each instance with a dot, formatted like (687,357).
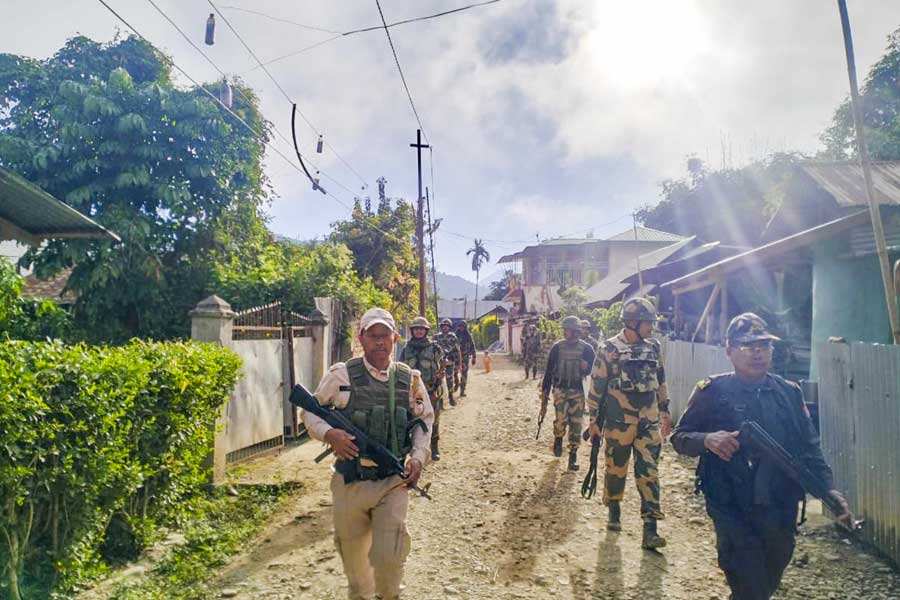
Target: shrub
(92,436)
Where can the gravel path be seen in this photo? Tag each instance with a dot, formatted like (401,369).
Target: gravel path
(508,522)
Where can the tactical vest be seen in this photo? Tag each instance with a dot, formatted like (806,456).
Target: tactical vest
(636,368)
(450,345)
(426,359)
(368,410)
(568,366)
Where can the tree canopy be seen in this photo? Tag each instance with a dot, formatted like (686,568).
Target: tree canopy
(103,127)
(880,96)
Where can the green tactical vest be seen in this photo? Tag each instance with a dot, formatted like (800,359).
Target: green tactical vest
(426,359)
(636,369)
(568,366)
(369,401)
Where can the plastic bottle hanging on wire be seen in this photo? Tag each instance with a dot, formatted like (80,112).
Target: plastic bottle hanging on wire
(226,95)
(211,30)
(319,145)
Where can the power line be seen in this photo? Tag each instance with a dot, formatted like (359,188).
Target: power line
(280,20)
(425,18)
(241,93)
(400,69)
(218,101)
(281,89)
(295,53)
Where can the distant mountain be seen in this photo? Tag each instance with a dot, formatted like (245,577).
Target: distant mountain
(454,286)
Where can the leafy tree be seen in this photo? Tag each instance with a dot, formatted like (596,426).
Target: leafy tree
(24,319)
(479,255)
(730,205)
(102,127)
(381,242)
(498,290)
(881,112)
(573,298)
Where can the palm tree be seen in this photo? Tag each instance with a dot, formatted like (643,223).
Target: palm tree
(480,255)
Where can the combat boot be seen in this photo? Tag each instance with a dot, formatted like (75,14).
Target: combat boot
(557,447)
(452,400)
(435,452)
(652,540)
(614,521)
(573,460)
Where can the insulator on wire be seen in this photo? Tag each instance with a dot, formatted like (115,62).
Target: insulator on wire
(319,145)
(226,95)
(211,30)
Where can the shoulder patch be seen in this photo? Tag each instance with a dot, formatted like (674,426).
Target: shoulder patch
(704,383)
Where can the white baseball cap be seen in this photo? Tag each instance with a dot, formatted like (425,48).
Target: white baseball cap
(374,316)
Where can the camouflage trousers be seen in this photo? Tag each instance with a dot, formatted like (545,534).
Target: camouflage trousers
(646,441)
(464,373)
(569,408)
(437,403)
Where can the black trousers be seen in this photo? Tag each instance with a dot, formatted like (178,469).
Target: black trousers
(755,548)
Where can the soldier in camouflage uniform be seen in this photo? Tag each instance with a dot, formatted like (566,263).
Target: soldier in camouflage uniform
(531,350)
(467,349)
(449,343)
(426,356)
(628,394)
(587,337)
(568,363)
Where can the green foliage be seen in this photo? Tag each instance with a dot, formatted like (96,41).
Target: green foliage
(219,527)
(295,274)
(389,261)
(479,255)
(573,298)
(102,127)
(607,320)
(95,440)
(731,205)
(486,332)
(500,288)
(24,319)
(881,112)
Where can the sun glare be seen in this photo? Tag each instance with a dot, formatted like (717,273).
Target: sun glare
(640,44)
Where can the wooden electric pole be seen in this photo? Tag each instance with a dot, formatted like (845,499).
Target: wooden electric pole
(431,229)
(420,224)
(874,211)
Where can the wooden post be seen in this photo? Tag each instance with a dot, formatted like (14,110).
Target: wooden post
(723,314)
(677,321)
(709,304)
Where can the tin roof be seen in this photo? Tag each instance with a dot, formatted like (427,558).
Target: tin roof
(845,182)
(646,234)
(27,211)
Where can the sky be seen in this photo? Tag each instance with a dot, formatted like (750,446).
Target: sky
(546,118)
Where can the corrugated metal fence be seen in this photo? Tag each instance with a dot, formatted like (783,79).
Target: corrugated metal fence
(859,416)
(686,364)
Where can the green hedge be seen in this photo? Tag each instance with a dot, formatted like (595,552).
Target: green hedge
(98,445)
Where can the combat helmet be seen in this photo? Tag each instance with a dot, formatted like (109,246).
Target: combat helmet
(420,322)
(639,309)
(585,323)
(447,322)
(571,322)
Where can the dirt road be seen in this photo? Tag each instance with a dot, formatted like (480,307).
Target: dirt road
(508,521)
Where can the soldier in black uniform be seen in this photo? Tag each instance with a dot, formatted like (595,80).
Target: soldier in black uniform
(753,505)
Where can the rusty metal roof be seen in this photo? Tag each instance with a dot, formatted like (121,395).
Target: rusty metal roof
(30,214)
(845,182)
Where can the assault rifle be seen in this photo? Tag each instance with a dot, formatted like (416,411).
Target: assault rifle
(541,416)
(754,437)
(589,485)
(301,397)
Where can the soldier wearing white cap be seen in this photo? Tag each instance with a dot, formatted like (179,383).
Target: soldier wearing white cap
(380,396)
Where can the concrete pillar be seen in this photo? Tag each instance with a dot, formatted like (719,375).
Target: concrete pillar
(322,336)
(212,321)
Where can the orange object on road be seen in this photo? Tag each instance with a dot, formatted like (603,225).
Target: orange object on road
(487,361)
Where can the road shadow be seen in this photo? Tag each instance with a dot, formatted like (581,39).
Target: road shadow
(609,582)
(653,569)
(538,518)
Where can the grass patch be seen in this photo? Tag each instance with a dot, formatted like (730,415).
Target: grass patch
(220,527)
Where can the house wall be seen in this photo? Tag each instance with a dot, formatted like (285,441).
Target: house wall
(848,298)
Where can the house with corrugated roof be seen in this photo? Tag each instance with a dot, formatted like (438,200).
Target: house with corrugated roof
(544,268)
(815,278)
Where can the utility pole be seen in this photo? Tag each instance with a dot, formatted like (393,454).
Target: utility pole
(420,224)
(431,229)
(637,255)
(874,210)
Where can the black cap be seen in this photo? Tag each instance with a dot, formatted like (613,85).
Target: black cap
(748,327)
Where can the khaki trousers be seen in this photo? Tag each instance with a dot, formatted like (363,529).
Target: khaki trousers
(370,535)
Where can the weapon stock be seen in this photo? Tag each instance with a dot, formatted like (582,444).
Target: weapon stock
(301,397)
(753,436)
(541,417)
(589,485)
